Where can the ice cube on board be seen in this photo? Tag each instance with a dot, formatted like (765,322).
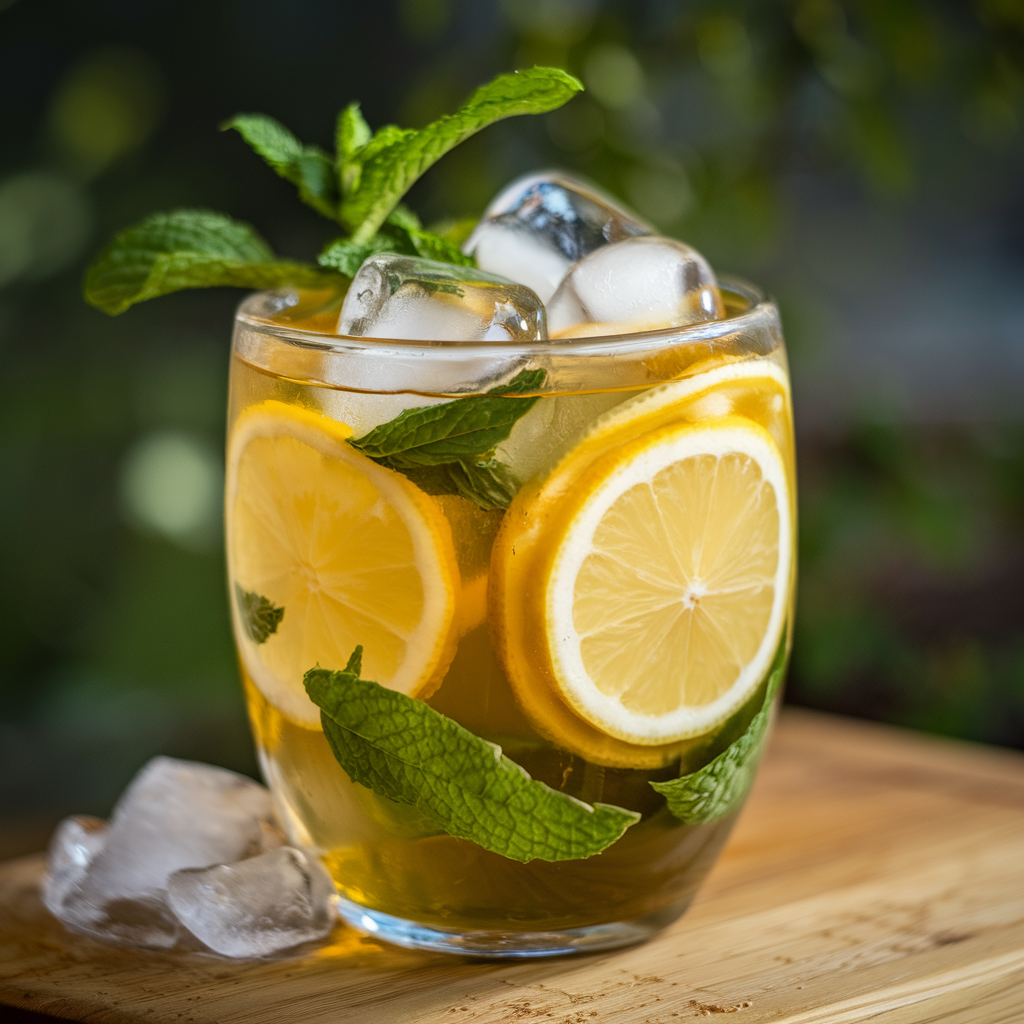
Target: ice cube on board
(257,906)
(174,815)
(73,846)
(416,299)
(541,224)
(634,285)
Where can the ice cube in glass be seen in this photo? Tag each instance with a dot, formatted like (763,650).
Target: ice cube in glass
(634,285)
(417,299)
(541,224)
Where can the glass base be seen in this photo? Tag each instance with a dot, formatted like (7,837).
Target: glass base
(510,945)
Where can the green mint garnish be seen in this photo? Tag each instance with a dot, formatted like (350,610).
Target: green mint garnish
(449,448)
(391,161)
(308,168)
(351,134)
(188,249)
(406,751)
(721,785)
(360,188)
(403,234)
(259,616)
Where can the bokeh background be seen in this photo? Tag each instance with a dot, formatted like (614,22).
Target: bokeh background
(862,159)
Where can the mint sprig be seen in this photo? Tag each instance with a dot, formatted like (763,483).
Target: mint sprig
(721,785)
(403,233)
(188,249)
(449,448)
(360,187)
(351,134)
(309,168)
(406,751)
(394,158)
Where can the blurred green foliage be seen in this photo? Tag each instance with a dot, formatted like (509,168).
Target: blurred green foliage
(730,123)
(910,605)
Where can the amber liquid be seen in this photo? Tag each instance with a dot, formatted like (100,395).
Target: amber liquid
(388,857)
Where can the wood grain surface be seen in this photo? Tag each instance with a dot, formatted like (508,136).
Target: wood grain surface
(874,875)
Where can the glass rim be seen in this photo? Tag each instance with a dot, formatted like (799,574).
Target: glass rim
(758,305)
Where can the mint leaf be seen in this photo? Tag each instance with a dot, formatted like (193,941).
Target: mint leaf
(434,247)
(307,167)
(260,617)
(402,234)
(188,249)
(351,135)
(487,483)
(347,256)
(406,751)
(720,786)
(465,429)
(395,158)
(449,448)
(428,244)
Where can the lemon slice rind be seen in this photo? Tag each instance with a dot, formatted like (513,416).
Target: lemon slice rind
(675,392)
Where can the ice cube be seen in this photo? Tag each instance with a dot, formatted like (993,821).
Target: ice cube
(541,224)
(257,906)
(635,285)
(550,429)
(416,299)
(174,815)
(73,846)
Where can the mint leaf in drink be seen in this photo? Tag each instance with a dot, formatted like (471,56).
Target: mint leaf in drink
(309,168)
(449,448)
(720,786)
(463,429)
(406,751)
(260,617)
(487,483)
(188,249)
(395,158)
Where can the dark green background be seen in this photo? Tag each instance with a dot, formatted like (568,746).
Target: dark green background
(862,159)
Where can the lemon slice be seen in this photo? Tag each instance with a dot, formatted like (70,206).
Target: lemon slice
(353,553)
(754,391)
(667,588)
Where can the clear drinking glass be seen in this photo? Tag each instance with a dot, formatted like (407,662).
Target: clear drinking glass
(459,602)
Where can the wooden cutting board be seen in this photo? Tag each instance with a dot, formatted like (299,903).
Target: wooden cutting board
(875,875)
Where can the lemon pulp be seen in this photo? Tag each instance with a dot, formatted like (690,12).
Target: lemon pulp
(667,588)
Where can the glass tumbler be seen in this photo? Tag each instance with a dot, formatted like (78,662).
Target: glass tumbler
(556,577)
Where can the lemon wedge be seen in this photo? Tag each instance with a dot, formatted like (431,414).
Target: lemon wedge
(352,551)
